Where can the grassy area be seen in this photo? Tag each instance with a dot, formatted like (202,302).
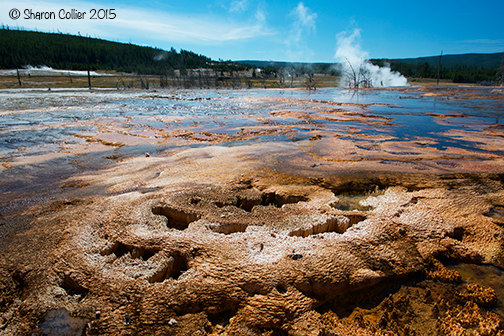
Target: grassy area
(433,82)
(123,81)
(131,81)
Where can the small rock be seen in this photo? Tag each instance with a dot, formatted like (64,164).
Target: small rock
(294,255)
(127,320)
(172,322)
(147,155)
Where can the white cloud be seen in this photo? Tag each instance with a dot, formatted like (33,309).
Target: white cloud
(260,17)
(238,6)
(183,29)
(302,25)
(304,20)
(138,23)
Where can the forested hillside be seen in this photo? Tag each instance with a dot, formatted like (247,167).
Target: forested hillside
(490,61)
(61,51)
(465,68)
(20,48)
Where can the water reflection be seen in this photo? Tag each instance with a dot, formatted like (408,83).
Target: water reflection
(484,275)
(32,122)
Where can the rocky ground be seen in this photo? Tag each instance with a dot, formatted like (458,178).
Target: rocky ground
(231,240)
(243,253)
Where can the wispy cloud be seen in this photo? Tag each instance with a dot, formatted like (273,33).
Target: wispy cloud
(183,29)
(260,16)
(238,6)
(303,24)
(304,21)
(133,22)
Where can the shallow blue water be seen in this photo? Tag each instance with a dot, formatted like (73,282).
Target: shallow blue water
(29,118)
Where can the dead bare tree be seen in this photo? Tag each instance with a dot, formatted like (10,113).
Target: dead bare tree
(291,71)
(144,83)
(120,81)
(216,77)
(207,79)
(200,82)
(18,77)
(359,78)
(236,80)
(281,77)
(439,68)
(500,73)
(163,81)
(87,63)
(310,82)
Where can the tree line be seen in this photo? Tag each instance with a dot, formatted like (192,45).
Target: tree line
(20,48)
(457,73)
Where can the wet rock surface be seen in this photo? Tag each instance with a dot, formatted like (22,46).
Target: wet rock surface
(219,254)
(232,240)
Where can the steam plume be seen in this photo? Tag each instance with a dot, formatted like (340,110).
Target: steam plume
(355,64)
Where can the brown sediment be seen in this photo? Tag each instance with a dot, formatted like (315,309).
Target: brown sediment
(252,248)
(321,235)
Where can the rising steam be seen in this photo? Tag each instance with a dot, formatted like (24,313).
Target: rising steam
(356,70)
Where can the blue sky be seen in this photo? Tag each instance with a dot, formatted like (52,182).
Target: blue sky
(301,31)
